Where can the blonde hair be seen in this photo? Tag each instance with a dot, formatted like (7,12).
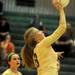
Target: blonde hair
(28,50)
(30,34)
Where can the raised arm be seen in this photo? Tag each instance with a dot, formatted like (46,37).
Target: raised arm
(59,31)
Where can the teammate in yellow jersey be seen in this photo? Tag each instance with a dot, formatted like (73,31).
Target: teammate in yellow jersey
(14,63)
(38,51)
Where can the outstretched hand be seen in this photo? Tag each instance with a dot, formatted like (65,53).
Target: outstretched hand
(57,5)
(60,54)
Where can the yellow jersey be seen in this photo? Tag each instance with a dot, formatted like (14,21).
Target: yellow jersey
(45,58)
(9,72)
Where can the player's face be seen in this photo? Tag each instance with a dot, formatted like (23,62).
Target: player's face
(39,36)
(15,61)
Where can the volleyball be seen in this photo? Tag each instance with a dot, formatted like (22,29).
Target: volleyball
(64,3)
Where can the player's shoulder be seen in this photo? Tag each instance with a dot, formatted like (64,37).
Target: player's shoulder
(19,73)
(6,72)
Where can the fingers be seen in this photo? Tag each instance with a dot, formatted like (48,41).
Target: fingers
(57,4)
(60,55)
(61,52)
(55,1)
